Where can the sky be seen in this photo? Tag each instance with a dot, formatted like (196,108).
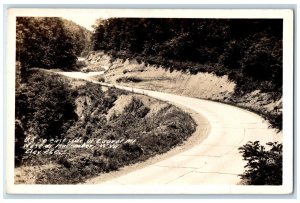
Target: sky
(83,17)
(84,20)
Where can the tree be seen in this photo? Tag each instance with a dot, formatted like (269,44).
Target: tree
(239,48)
(81,37)
(44,42)
(44,106)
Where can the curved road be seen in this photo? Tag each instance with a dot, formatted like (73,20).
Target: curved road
(216,160)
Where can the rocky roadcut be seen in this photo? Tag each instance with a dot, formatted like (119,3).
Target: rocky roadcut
(60,144)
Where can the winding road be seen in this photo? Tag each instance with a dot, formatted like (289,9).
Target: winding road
(215,160)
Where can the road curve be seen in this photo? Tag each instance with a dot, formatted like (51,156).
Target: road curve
(216,160)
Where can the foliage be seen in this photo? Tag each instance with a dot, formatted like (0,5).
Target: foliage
(46,108)
(129,79)
(240,48)
(101,79)
(264,167)
(19,142)
(151,135)
(49,42)
(44,42)
(249,51)
(81,38)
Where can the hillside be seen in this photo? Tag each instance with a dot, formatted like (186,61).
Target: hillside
(236,61)
(200,85)
(49,42)
(249,51)
(81,36)
(70,130)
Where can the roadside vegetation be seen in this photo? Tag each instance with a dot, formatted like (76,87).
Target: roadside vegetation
(52,114)
(264,164)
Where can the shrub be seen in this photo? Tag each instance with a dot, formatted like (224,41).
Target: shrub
(101,79)
(80,64)
(129,79)
(137,108)
(264,167)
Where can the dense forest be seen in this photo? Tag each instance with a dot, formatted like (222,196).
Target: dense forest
(50,42)
(248,50)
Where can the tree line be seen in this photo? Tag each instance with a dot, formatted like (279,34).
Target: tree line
(248,50)
(49,42)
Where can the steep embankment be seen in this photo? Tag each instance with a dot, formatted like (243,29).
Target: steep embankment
(73,130)
(201,85)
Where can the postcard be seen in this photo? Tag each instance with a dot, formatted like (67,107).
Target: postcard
(149,101)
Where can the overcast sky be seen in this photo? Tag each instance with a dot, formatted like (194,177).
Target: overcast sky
(83,17)
(84,20)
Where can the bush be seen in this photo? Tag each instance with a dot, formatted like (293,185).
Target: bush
(129,79)
(264,167)
(137,108)
(101,79)
(80,64)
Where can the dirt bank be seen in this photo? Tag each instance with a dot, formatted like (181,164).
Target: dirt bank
(202,85)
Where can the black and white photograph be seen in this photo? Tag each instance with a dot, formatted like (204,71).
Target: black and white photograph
(151,101)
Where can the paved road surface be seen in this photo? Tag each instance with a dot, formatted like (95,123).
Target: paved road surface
(216,159)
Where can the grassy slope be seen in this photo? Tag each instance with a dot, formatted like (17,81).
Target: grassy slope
(107,114)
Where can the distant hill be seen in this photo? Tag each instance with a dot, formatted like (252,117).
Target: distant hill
(49,42)
(81,36)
